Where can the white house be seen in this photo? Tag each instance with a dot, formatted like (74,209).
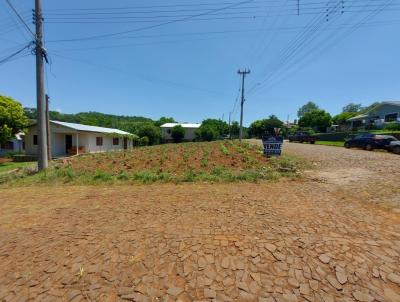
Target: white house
(65,137)
(190,129)
(14,145)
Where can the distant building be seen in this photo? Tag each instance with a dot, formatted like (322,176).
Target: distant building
(190,129)
(385,112)
(71,139)
(16,145)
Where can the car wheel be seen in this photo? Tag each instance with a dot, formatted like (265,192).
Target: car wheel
(347,145)
(369,147)
(396,150)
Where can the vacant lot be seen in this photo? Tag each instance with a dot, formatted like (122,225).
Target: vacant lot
(318,238)
(221,161)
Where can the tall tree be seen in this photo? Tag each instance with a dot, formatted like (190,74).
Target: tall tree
(316,119)
(352,107)
(178,133)
(265,126)
(12,118)
(310,106)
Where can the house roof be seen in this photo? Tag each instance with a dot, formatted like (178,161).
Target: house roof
(365,115)
(184,125)
(87,128)
(358,117)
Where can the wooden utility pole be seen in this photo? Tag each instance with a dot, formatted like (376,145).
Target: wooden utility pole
(243,75)
(48,131)
(43,162)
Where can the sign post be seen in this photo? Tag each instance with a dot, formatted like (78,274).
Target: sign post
(273,144)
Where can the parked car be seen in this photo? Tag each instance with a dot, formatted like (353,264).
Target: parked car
(369,141)
(394,147)
(302,137)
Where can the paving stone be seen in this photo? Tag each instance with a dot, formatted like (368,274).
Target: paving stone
(324,258)
(209,293)
(174,291)
(362,297)
(394,278)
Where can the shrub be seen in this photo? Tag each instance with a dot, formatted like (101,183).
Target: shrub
(144,141)
(392,126)
(178,133)
(224,150)
(206,133)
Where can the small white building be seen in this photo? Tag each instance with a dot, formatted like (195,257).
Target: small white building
(71,139)
(16,145)
(190,129)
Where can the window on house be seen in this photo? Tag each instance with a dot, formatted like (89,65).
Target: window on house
(115,141)
(169,131)
(392,117)
(35,140)
(99,141)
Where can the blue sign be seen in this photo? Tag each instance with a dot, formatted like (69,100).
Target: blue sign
(272,145)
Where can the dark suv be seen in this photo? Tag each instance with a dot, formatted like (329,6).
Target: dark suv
(370,141)
(302,137)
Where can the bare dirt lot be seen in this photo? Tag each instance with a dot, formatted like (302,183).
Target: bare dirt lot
(333,235)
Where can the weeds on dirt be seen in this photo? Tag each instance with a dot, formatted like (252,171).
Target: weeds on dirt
(189,162)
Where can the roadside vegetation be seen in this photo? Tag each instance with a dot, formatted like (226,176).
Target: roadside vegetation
(219,161)
(330,143)
(8,166)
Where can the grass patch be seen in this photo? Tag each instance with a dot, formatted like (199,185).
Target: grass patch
(189,162)
(8,166)
(328,143)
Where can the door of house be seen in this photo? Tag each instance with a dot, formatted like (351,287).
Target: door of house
(68,142)
(125,143)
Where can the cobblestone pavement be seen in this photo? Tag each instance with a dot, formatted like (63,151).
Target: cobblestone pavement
(303,240)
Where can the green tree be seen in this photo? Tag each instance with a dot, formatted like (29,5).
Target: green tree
(342,118)
(265,126)
(163,120)
(12,118)
(206,133)
(352,107)
(235,129)
(178,133)
(218,125)
(151,131)
(310,106)
(316,119)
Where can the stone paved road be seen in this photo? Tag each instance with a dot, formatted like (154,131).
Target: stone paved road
(304,240)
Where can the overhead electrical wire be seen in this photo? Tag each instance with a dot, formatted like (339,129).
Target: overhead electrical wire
(154,26)
(323,46)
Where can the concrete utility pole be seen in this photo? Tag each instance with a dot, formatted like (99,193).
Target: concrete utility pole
(243,75)
(43,162)
(230,132)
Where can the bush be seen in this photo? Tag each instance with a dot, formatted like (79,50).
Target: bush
(392,126)
(178,133)
(207,133)
(144,141)
(152,133)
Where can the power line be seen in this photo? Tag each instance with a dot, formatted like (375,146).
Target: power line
(21,19)
(13,55)
(156,25)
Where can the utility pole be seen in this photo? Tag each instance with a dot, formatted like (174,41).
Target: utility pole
(230,132)
(43,162)
(243,75)
(48,133)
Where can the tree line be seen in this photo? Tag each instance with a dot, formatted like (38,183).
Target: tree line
(15,118)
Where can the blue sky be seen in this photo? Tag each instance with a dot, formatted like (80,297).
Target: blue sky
(188,69)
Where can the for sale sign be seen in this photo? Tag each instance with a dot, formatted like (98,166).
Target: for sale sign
(272,145)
